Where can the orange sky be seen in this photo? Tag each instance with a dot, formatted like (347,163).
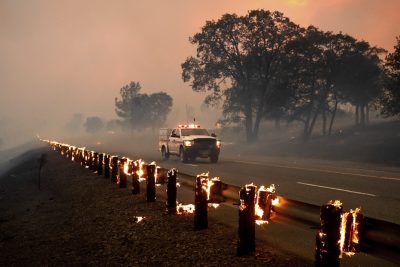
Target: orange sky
(63,57)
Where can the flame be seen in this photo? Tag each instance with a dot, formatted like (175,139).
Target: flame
(275,201)
(208,188)
(126,165)
(138,219)
(140,172)
(259,212)
(261,222)
(336,203)
(355,225)
(185,209)
(214,205)
(354,232)
(343,231)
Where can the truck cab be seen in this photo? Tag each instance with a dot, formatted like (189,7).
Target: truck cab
(189,142)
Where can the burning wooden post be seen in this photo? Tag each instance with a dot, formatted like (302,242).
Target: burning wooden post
(151,183)
(100,164)
(200,203)
(247,222)
(350,232)
(171,191)
(122,173)
(114,168)
(106,166)
(215,191)
(264,203)
(327,251)
(135,178)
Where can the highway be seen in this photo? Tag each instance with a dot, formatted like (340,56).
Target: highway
(375,189)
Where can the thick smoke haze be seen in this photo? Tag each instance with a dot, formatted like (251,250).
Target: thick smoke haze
(64,57)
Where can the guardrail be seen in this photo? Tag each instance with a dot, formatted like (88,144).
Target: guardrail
(379,238)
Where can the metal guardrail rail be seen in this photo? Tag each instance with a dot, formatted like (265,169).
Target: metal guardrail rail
(379,238)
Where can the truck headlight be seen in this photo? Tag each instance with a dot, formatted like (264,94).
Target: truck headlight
(218,143)
(188,143)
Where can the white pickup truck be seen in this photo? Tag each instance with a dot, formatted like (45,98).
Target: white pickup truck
(189,142)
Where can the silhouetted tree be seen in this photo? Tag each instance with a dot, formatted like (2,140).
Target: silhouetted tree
(390,99)
(160,105)
(361,75)
(328,69)
(142,110)
(94,124)
(237,60)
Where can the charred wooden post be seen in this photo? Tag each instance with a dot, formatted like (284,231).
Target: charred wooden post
(121,173)
(135,178)
(106,166)
(200,203)
(247,221)
(100,164)
(328,251)
(94,162)
(171,191)
(114,168)
(151,183)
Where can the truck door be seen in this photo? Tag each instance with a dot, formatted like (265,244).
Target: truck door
(174,141)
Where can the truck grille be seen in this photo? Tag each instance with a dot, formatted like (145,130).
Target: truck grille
(204,142)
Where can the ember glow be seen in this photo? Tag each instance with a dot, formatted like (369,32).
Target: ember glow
(184,209)
(138,219)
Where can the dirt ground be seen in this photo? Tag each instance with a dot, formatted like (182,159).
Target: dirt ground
(80,219)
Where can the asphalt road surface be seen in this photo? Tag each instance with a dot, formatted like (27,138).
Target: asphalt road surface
(376,189)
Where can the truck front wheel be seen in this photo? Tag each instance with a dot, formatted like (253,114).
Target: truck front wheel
(182,155)
(214,158)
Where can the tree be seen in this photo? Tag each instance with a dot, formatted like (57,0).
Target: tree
(390,99)
(328,69)
(94,124)
(237,61)
(75,123)
(159,107)
(141,111)
(361,78)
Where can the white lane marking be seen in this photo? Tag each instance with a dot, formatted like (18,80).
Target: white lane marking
(338,189)
(318,170)
(194,165)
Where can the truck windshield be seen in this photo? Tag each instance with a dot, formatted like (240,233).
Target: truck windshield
(186,132)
